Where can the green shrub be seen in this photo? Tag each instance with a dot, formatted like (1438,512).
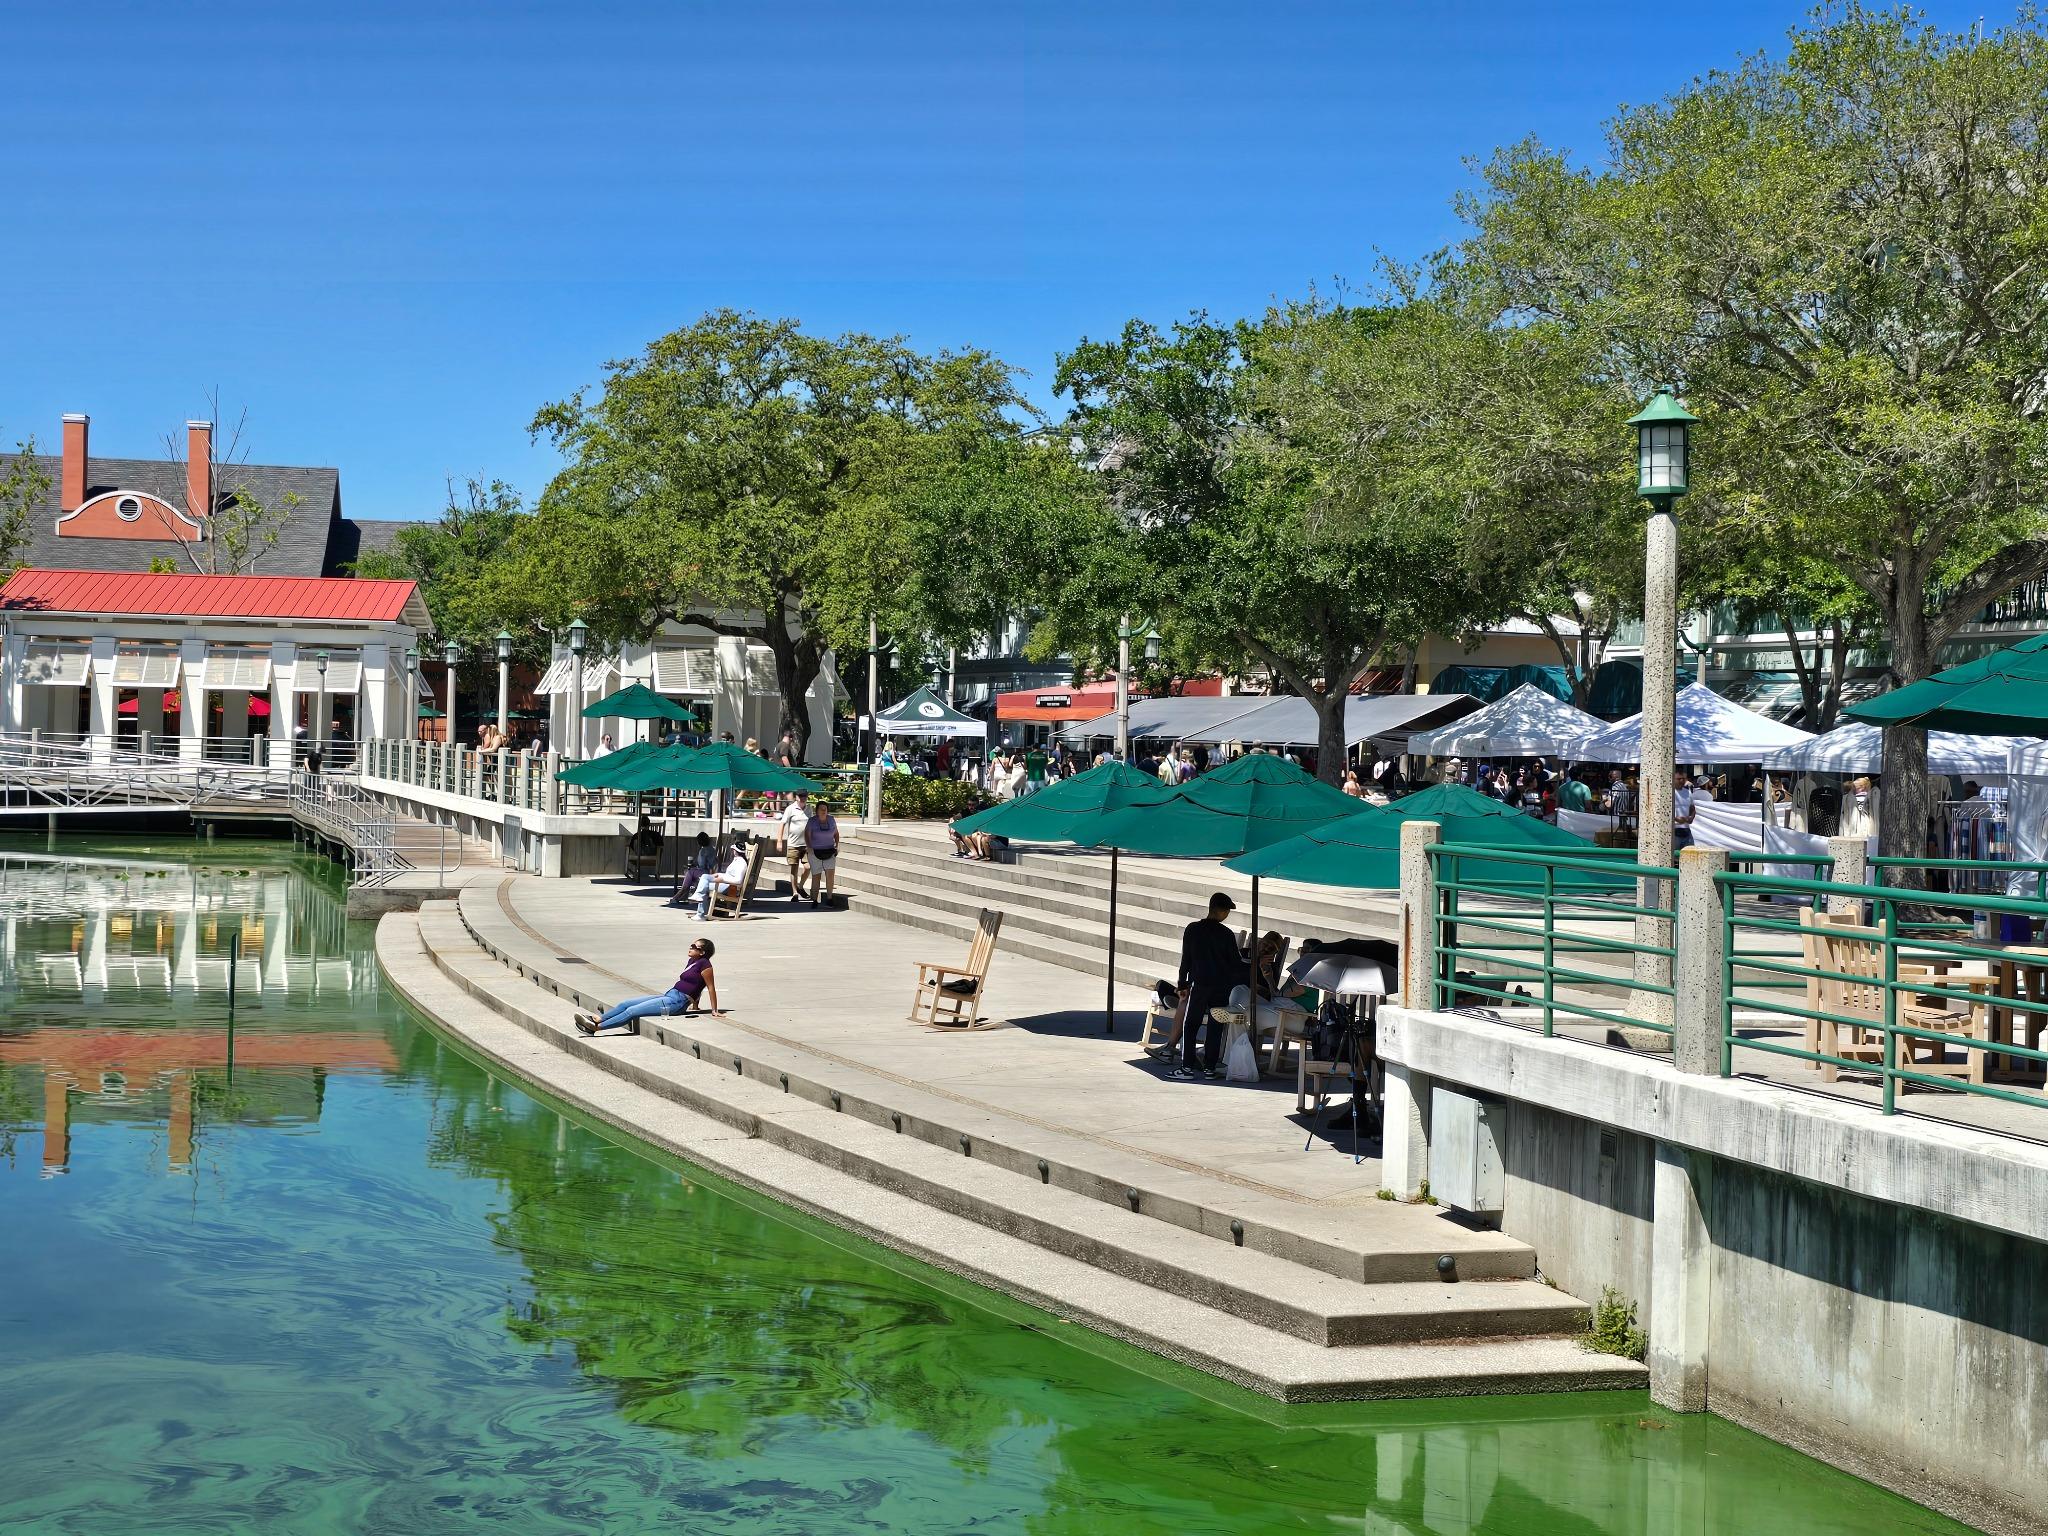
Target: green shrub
(1614,1330)
(907,795)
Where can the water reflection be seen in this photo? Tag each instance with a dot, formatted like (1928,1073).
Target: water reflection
(397,1294)
(117,973)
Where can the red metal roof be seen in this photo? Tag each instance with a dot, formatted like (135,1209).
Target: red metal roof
(131,593)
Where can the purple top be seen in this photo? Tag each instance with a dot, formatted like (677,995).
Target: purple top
(823,836)
(691,982)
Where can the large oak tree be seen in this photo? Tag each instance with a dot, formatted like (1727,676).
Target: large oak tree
(1842,257)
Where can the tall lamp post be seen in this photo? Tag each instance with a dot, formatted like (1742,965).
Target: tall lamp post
(412,693)
(1663,447)
(320,717)
(874,815)
(504,682)
(451,653)
(1126,632)
(579,638)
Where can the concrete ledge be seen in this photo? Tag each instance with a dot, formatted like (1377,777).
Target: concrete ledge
(1985,1179)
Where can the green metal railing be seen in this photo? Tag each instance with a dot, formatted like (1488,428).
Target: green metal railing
(1896,979)
(1530,925)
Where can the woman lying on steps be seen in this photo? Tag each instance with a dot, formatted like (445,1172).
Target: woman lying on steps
(686,996)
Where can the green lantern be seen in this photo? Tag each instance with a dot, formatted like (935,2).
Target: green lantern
(1663,445)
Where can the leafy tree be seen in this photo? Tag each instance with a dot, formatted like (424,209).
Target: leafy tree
(744,476)
(24,487)
(1839,255)
(1265,527)
(455,561)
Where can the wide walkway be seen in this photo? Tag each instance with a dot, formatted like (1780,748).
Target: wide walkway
(839,984)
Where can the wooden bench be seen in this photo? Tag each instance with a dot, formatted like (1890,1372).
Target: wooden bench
(949,996)
(734,901)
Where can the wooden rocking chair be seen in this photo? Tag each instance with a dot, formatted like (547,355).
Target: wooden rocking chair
(949,996)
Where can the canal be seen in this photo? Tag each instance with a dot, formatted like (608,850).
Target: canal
(345,1280)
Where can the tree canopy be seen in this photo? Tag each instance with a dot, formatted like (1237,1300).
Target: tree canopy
(745,476)
(1839,255)
(1262,524)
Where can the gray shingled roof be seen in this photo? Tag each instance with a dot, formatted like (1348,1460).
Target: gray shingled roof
(303,543)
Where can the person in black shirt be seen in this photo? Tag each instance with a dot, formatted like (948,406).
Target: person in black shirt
(1210,965)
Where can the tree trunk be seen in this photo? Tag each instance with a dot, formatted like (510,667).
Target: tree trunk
(1906,800)
(797,664)
(1330,735)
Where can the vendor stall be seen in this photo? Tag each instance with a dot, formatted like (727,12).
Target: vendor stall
(1528,722)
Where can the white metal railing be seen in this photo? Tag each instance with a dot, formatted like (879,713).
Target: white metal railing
(39,772)
(522,780)
(369,829)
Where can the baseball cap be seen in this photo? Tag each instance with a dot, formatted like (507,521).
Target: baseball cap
(1222,899)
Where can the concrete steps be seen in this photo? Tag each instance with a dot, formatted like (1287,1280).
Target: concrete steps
(587,1075)
(1298,1301)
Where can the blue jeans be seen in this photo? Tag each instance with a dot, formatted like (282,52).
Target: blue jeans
(633,1008)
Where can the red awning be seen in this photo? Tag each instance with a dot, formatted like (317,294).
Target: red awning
(1086,703)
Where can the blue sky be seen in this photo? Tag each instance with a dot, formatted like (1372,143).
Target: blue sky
(393,231)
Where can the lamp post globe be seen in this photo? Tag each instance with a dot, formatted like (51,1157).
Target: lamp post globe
(1663,445)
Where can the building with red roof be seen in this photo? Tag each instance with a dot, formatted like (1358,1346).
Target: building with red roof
(223,666)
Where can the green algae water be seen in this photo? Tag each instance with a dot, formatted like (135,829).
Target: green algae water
(357,1284)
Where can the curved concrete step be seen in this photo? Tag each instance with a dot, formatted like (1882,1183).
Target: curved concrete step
(1383,1242)
(1207,1338)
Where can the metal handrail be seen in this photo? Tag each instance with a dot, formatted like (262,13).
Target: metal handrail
(1889,934)
(1523,943)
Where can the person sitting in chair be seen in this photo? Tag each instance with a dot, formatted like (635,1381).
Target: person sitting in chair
(726,881)
(692,987)
(703,860)
(644,841)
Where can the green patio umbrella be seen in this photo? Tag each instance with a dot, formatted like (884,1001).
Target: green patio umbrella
(2003,694)
(1068,812)
(1251,802)
(721,768)
(637,702)
(1363,850)
(603,772)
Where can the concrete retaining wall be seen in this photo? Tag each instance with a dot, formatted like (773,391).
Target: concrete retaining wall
(1884,1307)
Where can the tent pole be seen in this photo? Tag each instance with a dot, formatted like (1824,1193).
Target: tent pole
(1109,987)
(1251,996)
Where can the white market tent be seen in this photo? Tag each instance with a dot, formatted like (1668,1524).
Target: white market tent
(1175,718)
(924,713)
(1290,721)
(1709,729)
(1528,722)
(1859,748)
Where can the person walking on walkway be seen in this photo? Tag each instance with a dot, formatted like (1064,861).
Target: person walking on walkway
(1210,964)
(821,840)
(796,817)
(692,989)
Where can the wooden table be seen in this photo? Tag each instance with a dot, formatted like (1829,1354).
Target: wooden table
(2022,973)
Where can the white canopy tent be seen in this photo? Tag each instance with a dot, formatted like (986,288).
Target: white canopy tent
(1525,723)
(1709,729)
(1859,748)
(1290,721)
(1178,717)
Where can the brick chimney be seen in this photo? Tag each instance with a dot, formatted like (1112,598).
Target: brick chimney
(71,487)
(199,469)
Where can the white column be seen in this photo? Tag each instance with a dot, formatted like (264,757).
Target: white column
(102,721)
(374,723)
(13,692)
(729,700)
(192,700)
(283,704)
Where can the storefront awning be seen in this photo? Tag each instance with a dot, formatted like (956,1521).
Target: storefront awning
(237,666)
(57,663)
